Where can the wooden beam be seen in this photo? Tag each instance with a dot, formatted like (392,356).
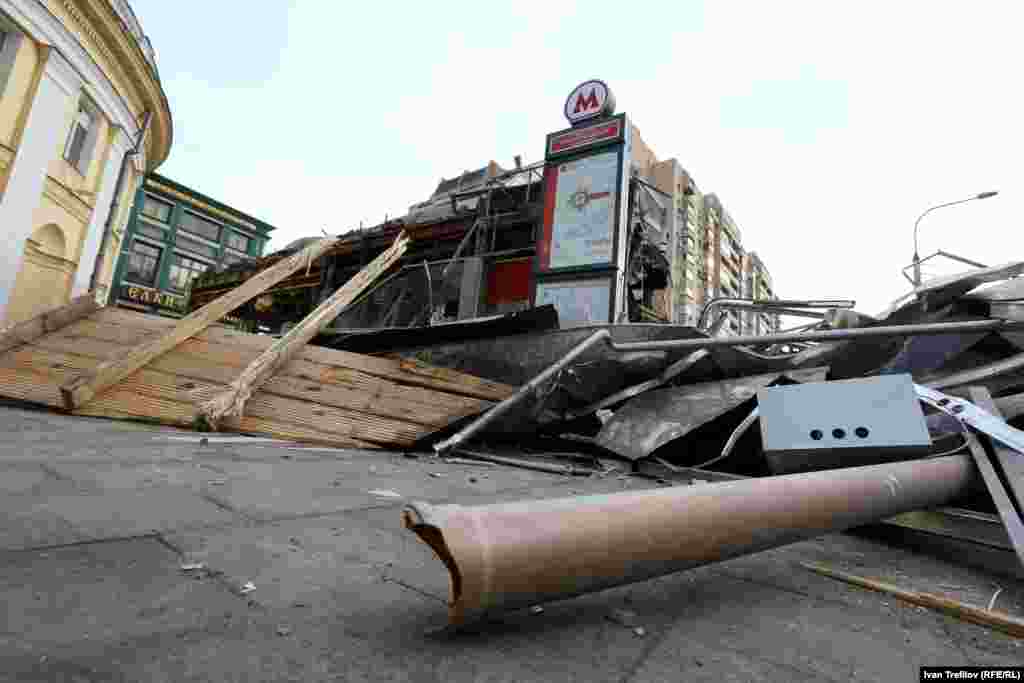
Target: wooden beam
(232,401)
(989,618)
(49,321)
(81,389)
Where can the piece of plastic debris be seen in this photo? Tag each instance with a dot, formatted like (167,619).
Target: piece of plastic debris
(604,415)
(639,631)
(385,493)
(247,587)
(203,441)
(193,566)
(536,609)
(473,480)
(284,630)
(218,482)
(434,474)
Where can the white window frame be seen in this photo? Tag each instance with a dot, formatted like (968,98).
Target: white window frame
(10,41)
(85,154)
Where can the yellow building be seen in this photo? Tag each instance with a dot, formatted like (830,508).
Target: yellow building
(83,118)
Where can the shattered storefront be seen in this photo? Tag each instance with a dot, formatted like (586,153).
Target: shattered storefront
(578,231)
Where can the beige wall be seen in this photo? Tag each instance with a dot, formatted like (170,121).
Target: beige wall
(643,156)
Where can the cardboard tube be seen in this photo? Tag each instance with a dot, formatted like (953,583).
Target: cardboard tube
(511,555)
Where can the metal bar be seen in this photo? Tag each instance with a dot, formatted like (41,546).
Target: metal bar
(505,406)
(981,374)
(775,303)
(961,259)
(1007,512)
(510,555)
(604,336)
(1010,467)
(828,335)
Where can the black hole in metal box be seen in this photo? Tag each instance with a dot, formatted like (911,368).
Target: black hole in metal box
(862,432)
(839,433)
(816,434)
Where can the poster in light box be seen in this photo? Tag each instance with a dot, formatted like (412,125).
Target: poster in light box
(584,215)
(579,302)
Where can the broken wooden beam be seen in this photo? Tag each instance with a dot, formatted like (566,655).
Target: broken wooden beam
(231,402)
(81,389)
(48,321)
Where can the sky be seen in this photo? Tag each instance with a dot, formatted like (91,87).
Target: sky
(825,128)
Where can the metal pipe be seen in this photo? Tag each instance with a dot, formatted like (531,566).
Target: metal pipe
(510,555)
(979,374)
(605,336)
(737,302)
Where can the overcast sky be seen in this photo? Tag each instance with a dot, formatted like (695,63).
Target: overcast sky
(824,127)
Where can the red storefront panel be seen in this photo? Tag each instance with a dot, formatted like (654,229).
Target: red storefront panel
(509,281)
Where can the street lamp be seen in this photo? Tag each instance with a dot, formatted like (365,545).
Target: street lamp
(917,259)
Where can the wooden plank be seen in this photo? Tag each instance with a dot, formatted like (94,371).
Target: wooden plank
(299,379)
(81,389)
(34,375)
(401,422)
(405,371)
(48,321)
(236,349)
(232,401)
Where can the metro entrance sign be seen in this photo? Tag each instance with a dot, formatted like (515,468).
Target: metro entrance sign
(589,100)
(580,249)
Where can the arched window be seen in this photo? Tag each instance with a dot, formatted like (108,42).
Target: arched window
(50,240)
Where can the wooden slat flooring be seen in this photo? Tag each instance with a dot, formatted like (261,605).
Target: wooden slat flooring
(323,396)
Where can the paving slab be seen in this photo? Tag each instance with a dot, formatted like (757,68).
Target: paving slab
(101,591)
(118,514)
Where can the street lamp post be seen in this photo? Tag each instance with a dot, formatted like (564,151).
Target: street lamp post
(917,259)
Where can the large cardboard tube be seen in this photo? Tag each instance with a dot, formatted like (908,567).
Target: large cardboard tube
(511,555)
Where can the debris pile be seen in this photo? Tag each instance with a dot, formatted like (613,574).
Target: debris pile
(882,420)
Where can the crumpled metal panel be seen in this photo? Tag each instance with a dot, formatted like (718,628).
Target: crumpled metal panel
(651,420)
(943,290)
(1011,290)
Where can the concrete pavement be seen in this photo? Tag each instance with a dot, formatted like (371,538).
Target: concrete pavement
(97,518)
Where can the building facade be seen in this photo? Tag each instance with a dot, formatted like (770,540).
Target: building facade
(757,284)
(83,117)
(174,235)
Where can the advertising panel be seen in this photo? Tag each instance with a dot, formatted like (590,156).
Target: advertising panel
(578,302)
(580,216)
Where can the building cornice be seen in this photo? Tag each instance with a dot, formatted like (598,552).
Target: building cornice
(141,75)
(93,39)
(159,184)
(199,204)
(72,35)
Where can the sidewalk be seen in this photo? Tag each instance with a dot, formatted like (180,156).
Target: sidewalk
(97,518)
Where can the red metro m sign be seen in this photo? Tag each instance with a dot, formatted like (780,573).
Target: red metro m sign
(588,101)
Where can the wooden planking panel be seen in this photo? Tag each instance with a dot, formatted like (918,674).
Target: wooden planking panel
(404,371)
(83,388)
(219,362)
(161,386)
(232,400)
(35,374)
(48,321)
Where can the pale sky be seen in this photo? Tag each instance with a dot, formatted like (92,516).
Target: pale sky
(825,128)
